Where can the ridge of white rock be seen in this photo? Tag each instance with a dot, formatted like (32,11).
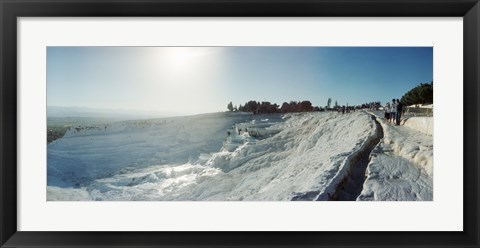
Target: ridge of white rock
(401,166)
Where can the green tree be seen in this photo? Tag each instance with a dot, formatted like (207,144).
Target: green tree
(421,94)
(285,107)
(230,106)
(306,106)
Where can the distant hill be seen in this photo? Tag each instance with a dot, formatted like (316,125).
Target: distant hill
(57,111)
(59,119)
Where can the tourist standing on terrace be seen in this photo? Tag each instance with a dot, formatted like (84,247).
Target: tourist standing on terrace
(387,111)
(393,111)
(399,111)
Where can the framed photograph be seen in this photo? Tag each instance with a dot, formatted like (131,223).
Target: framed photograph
(239,124)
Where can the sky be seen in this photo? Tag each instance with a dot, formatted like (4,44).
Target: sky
(191,80)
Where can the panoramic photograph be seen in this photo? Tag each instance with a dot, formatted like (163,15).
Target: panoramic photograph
(239,123)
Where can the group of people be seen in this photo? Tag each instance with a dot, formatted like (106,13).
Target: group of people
(394,111)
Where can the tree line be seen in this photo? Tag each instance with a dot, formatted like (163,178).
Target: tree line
(422,94)
(268,107)
(294,106)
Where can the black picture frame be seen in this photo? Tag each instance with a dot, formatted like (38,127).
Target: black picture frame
(11,9)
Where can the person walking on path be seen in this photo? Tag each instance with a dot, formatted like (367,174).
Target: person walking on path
(393,111)
(399,111)
(387,111)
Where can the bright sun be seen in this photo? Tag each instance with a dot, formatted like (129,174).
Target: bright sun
(178,66)
(179,56)
(182,56)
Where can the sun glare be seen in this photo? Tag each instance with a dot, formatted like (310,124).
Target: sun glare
(179,56)
(172,69)
(177,63)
